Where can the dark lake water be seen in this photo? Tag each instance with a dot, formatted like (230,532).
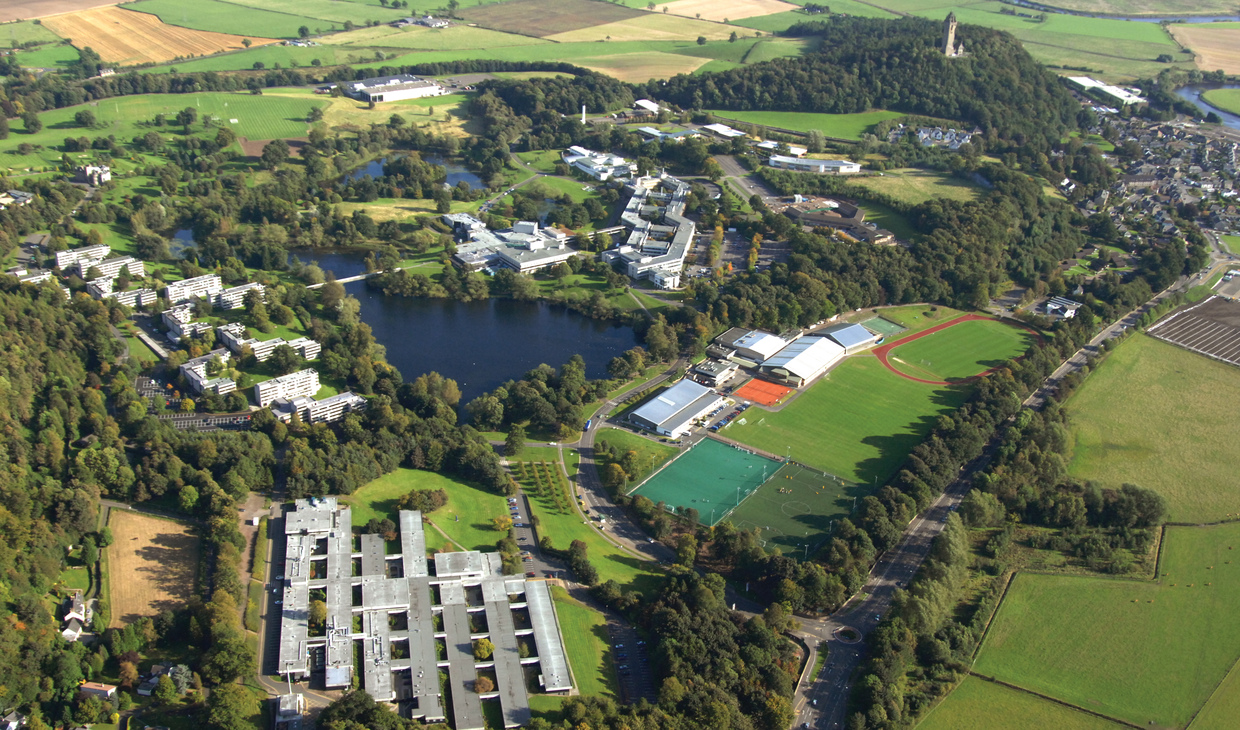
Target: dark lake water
(478,344)
(456,171)
(482,344)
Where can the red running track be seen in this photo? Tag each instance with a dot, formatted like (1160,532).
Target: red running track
(883,350)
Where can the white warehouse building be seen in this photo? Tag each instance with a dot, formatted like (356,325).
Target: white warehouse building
(803,361)
(599,165)
(391,88)
(672,412)
(822,167)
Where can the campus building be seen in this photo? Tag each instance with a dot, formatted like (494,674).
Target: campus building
(234,297)
(31,276)
(526,247)
(114,267)
(103,289)
(325,410)
(655,251)
(1112,93)
(754,346)
(821,167)
(398,613)
(294,385)
(715,372)
(180,323)
(598,165)
(92,174)
(198,287)
(1061,307)
(803,360)
(852,337)
(195,372)
(672,412)
(66,260)
(391,88)
(772,147)
(723,131)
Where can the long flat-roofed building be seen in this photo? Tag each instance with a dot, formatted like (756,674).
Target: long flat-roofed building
(381,607)
(66,260)
(659,233)
(822,167)
(851,337)
(325,410)
(195,371)
(752,345)
(294,385)
(672,412)
(234,297)
(526,247)
(391,88)
(598,165)
(802,361)
(207,285)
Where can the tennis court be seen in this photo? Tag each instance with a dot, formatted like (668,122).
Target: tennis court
(762,392)
(796,508)
(712,478)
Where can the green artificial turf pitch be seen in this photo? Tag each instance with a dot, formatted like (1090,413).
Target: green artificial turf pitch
(1146,652)
(962,350)
(802,514)
(712,477)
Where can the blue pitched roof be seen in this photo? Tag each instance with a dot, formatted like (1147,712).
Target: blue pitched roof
(849,335)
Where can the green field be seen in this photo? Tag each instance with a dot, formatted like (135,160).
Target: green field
(859,422)
(330,11)
(1149,653)
(917,317)
(1232,243)
(473,506)
(799,518)
(843,126)
(565,525)
(712,478)
(585,641)
(650,454)
(1175,438)
(431,39)
(227,17)
(24,31)
(915,186)
(890,219)
(1226,99)
(1223,707)
(58,55)
(962,350)
(980,705)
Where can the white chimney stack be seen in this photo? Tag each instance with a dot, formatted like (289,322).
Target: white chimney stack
(583,113)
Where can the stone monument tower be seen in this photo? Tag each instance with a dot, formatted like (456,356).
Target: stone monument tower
(949,37)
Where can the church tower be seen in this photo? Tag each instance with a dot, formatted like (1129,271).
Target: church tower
(949,36)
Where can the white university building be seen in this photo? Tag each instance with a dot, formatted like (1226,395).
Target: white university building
(303,383)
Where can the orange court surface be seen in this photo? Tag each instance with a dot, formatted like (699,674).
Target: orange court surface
(762,392)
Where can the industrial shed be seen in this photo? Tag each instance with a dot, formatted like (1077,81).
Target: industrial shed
(803,360)
(672,412)
(852,337)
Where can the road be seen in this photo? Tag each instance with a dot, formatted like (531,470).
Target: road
(822,701)
(742,181)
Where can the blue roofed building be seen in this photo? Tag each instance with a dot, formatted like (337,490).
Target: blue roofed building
(672,412)
(852,337)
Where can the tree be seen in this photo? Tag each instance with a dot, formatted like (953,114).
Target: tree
(303,32)
(701,40)
(129,675)
(165,691)
(4,127)
(245,42)
(31,120)
(229,707)
(274,152)
(186,117)
(732,38)
(686,549)
(84,118)
(514,444)
(483,685)
(284,359)
(316,114)
(318,613)
(503,523)
(483,649)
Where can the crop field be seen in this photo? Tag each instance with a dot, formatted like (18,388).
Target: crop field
(647,27)
(917,186)
(1149,7)
(126,37)
(331,11)
(843,126)
(638,67)
(1119,438)
(858,422)
(724,10)
(151,565)
(225,17)
(466,518)
(1147,652)
(546,17)
(980,705)
(27,9)
(1216,48)
(961,351)
(432,39)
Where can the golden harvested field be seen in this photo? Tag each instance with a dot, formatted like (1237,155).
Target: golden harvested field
(720,10)
(151,565)
(1215,47)
(25,10)
(643,66)
(127,37)
(650,27)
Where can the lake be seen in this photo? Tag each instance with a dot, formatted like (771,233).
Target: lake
(478,344)
(456,171)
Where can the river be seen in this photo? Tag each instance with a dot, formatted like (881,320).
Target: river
(1193,94)
(478,344)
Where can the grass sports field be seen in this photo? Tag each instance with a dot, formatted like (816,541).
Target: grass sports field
(472,504)
(125,37)
(151,565)
(915,186)
(796,508)
(843,126)
(961,350)
(980,705)
(712,478)
(1119,438)
(1149,653)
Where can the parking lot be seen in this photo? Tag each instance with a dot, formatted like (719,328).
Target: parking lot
(632,663)
(1211,328)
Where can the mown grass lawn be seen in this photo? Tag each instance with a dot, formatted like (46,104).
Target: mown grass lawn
(586,642)
(1163,418)
(473,505)
(980,705)
(844,126)
(1147,652)
(962,350)
(915,186)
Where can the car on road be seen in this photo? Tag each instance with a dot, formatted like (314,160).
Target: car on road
(530,574)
